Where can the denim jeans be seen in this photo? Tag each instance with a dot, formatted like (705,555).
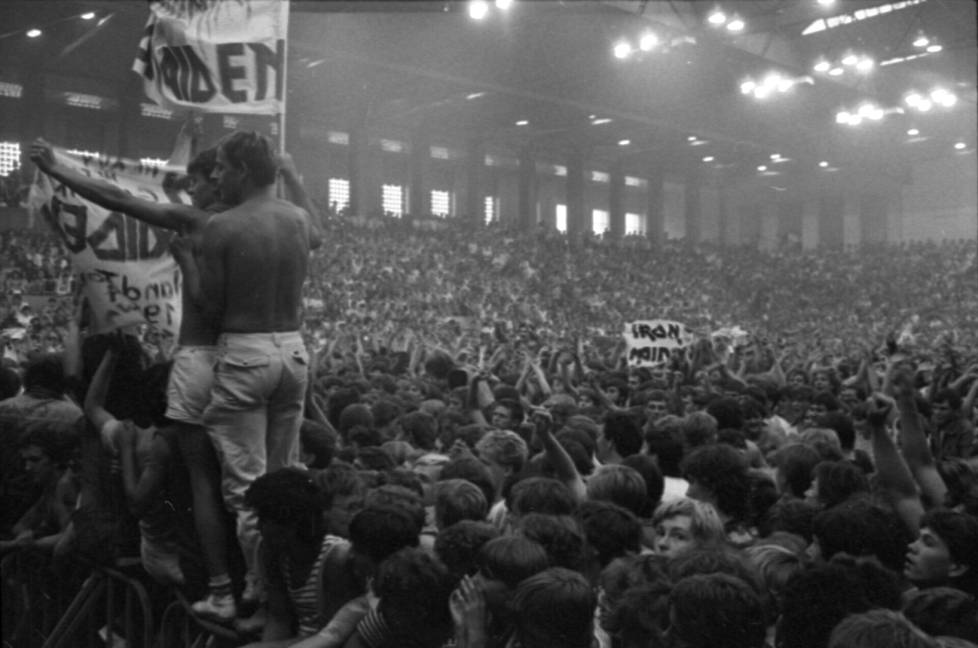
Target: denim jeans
(254,417)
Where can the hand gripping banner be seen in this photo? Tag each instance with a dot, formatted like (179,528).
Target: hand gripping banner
(125,268)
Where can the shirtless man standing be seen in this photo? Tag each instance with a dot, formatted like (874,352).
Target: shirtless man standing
(254,262)
(191,377)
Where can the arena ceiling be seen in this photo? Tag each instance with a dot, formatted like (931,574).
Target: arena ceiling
(405,68)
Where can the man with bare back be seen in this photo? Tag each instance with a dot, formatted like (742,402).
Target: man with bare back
(254,261)
(191,376)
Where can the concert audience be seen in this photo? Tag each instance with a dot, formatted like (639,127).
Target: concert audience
(481,454)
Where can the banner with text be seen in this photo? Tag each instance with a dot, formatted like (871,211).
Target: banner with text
(224,56)
(650,343)
(124,265)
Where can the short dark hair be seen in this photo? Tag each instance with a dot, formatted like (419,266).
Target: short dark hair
(727,412)
(652,476)
(541,495)
(724,472)
(473,470)
(559,535)
(622,431)
(611,531)
(45,370)
(378,531)
(959,531)
(458,545)
(949,396)
(619,485)
(458,499)
(511,559)
(861,528)
(838,481)
(414,587)
(945,611)
(289,497)
(252,151)
(555,608)
(203,163)
(420,428)
(796,463)
(879,629)
(717,610)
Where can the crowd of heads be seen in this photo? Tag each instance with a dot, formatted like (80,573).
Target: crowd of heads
(476,434)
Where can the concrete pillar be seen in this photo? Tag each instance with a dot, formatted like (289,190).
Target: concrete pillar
(419,197)
(578,220)
(527,189)
(655,221)
(693,211)
(616,201)
(474,175)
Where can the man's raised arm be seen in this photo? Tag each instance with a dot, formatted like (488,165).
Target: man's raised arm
(297,194)
(166,215)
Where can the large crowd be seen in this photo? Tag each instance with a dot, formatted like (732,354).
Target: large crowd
(482,466)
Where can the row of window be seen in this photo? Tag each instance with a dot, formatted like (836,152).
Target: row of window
(441,205)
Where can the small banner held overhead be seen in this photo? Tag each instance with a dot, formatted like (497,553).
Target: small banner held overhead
(223,56)
(125,268)
(651,342)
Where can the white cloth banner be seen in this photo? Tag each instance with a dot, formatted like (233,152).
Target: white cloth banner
(224,56)
(650,343)
(125,268)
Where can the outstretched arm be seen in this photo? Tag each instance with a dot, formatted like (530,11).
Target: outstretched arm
(167,215)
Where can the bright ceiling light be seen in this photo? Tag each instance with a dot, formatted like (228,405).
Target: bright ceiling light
(865,64)
(960,145)
(648,41)
(876,114)
(747,86)
(934,49)
(850,59)
(474,95)
(775,156)
(836,71)
(823,164)
(913,132)
(921,41)
(736,25)
(942,97)
(624,142)
(522,122)
(762,92)
(762,168)
(708,158)
(866,109)
(785,84)
(826,3)
(33,33)
(88,15)
(924,105)
(504,4)
(913,99)
(822,66)
(478,9)
(842,117)
(717,18)
(603,120)
(622,49)
(691,138)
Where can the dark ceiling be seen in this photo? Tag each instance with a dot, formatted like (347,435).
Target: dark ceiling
(408,67)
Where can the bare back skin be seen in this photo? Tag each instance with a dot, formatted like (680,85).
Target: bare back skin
(260,252)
